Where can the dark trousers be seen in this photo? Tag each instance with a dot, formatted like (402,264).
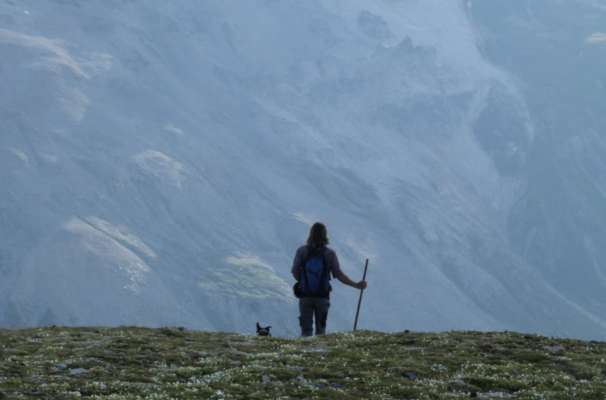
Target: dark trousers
(310,309)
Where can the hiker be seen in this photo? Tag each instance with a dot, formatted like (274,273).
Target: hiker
(312,268)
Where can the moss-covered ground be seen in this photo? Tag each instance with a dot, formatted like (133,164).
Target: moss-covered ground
(171,363)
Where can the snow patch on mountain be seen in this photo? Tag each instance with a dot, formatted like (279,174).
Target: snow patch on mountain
(20,155)
(121,234)
(161,166)
(173,129)
(100,243)
(57,57)
(248,261)
(596,38)
(305,218)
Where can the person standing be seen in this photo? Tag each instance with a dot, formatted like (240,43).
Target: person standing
(312,268)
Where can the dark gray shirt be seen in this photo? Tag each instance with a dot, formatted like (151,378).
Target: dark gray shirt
(329,255)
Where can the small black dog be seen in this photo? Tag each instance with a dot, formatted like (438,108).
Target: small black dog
(263,331)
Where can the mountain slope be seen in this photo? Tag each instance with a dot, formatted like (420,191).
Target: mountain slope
(162,162)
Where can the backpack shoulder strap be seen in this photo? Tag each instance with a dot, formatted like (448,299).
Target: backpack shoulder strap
(304,270)
(325,269)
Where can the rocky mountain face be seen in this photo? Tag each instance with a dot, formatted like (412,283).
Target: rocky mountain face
(556,52)
(161,161)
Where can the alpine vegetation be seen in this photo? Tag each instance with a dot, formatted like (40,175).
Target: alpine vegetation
(168,363)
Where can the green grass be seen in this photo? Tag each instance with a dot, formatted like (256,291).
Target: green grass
(141,363)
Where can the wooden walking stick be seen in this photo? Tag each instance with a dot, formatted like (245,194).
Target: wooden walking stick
(360,299)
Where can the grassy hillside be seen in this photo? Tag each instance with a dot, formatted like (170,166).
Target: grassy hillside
(138,363)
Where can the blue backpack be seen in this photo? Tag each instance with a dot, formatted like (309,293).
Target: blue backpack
(315,277)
